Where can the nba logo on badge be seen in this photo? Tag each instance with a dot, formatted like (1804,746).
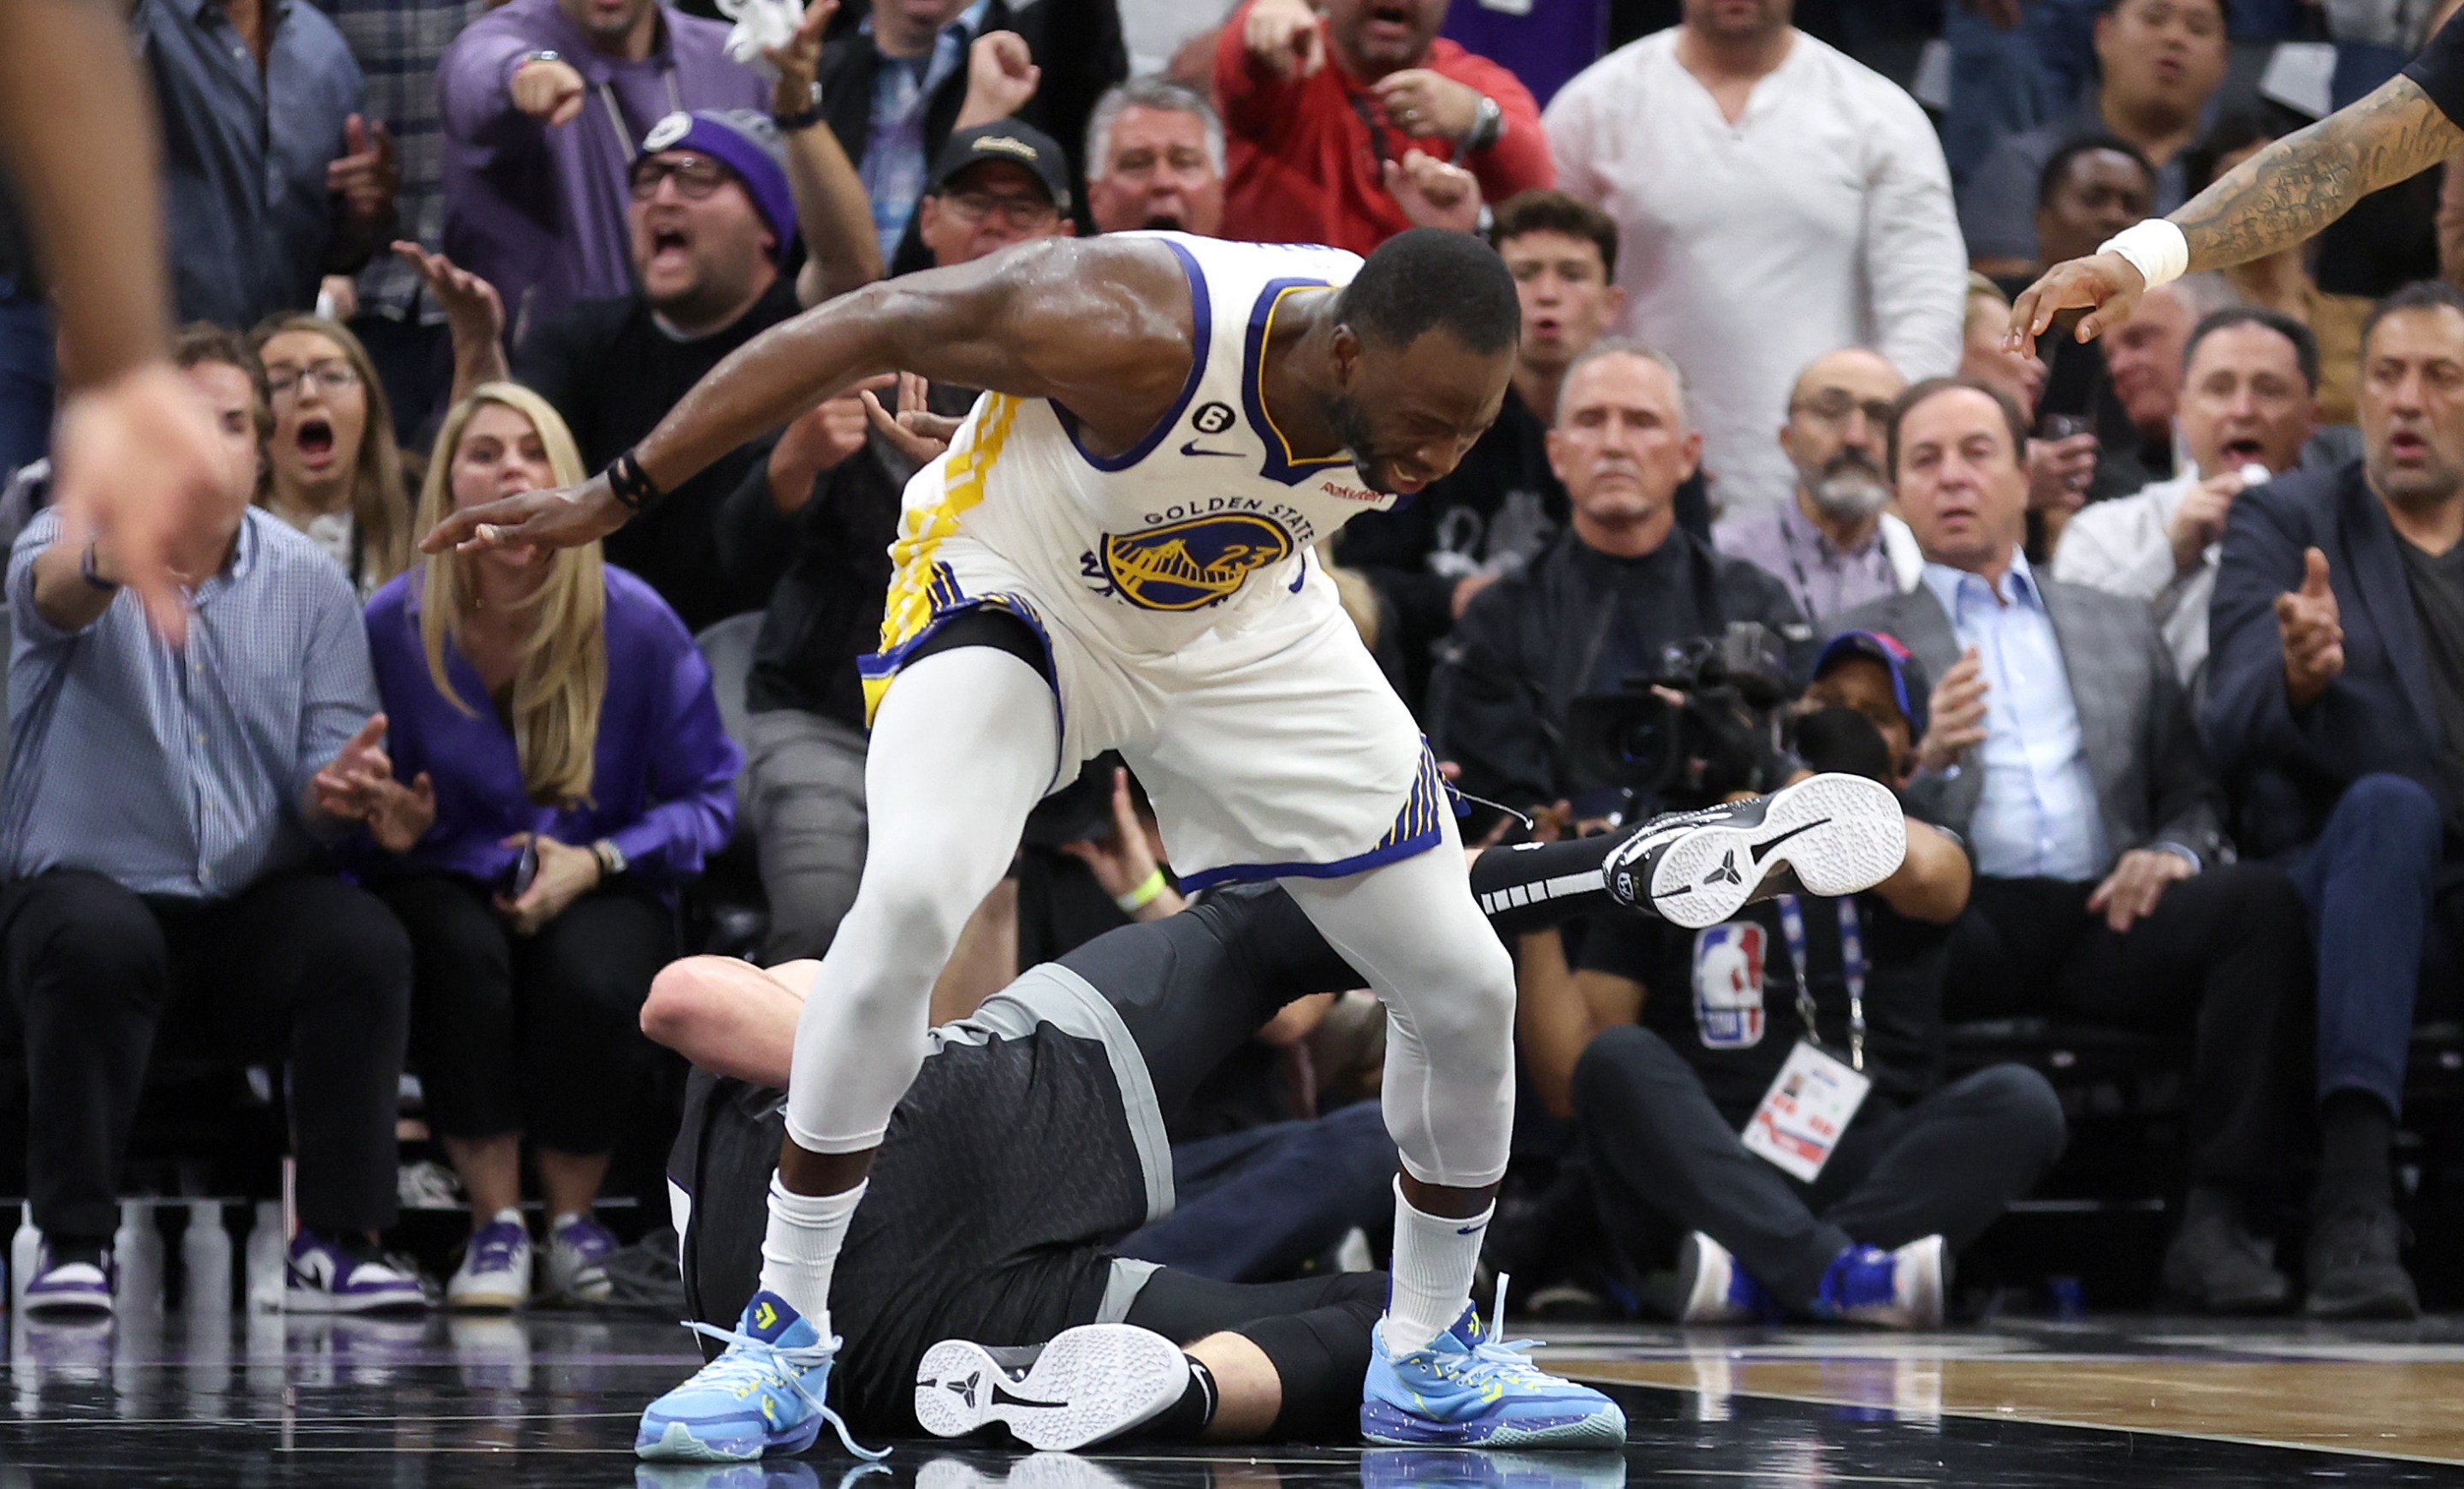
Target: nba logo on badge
(1728,986)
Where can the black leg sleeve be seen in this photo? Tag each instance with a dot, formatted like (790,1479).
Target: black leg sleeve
(1659,1148)
(1315,1332)
(1956,1160)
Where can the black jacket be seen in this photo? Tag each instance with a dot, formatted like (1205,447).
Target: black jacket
(1535,641)
(2284,770)
(1076,42)
(826,610)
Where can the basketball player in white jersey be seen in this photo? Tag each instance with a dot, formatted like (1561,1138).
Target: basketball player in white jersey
(1116,551)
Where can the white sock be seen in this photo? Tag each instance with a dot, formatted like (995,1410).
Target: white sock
(1431,1280)
(800,1248)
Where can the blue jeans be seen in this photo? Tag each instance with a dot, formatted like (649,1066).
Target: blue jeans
(2369,881)
(28,383)
(1254,1204)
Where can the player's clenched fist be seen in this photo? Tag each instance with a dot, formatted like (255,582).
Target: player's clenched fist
(2312,630)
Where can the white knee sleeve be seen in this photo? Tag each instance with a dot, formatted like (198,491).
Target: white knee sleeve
(1412,929)
(962,748)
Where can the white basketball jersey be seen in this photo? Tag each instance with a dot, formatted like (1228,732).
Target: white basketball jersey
(1205,523)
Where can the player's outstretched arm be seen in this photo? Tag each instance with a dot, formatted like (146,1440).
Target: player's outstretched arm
(2270,202)
(1081,321)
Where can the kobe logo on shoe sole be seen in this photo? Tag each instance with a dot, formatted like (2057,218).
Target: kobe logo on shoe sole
(1727,873)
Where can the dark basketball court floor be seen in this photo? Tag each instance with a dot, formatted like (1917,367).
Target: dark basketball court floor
(550,1399)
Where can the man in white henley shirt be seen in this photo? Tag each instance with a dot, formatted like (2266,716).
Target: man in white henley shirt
(1778,200)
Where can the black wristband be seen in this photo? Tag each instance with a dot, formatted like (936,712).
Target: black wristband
(790,123)
(633,488)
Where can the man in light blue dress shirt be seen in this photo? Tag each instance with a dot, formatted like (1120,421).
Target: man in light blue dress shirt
(2060,746)
(158,831)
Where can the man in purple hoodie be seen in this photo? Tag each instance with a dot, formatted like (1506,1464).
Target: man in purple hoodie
(544,100)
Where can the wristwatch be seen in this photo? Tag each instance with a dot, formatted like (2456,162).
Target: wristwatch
(1487,125)
(612,858)
(94,578)
(807,118)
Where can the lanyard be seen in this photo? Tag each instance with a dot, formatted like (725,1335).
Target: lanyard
(1805,584)
(616,114)
(1852,965)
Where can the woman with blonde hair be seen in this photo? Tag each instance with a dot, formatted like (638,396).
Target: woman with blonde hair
(331,468)
(557,768)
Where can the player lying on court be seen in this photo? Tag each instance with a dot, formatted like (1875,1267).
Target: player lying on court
(1033,1137)
(1115,551)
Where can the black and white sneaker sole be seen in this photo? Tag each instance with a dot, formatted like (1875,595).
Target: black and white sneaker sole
(1835,834)
(1089,1384)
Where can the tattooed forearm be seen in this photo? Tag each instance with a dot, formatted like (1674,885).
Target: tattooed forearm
(2281,196)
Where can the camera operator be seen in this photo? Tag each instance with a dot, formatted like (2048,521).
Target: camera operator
(1663,1045)
(1596,612)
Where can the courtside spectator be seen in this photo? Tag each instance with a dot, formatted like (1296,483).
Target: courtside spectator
(399,45)
(276,176)
(2159,62)
(1154,159)
(713,218)
(1777,200)
(1661,1043)
(1599,607)
(2058,744)
(2335,704)
(835,480)
(2249,398)
(2142,383)
(558,768)
(1832,545)
(546,102)
(1503,506)
(161,838)
(898,83)
(1326,112)
(331,466)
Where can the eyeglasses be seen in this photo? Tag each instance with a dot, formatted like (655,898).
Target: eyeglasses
(1016,211)
(695,176)
(1836,407)
(331,377)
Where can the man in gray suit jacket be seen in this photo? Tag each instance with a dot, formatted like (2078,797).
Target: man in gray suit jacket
(2060,747)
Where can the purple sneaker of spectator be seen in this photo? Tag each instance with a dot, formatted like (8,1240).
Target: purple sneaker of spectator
(1898,1289)
(1713,1289)
(62,1288)
(496,1272)
(326,1278)
(578,1249)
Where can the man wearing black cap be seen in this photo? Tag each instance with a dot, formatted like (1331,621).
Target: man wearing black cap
(712,225)
(1661,1043)
(836,484)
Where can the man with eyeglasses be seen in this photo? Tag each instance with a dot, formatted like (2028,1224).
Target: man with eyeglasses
(1833,545)
(715,204)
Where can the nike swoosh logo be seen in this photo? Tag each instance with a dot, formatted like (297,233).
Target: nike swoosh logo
(1761,849)
(1195,448)
(1471,1230)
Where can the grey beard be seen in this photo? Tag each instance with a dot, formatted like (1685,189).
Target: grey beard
(1850,498)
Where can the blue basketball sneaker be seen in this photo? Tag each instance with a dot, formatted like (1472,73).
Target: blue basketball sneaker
(766,1393)
(1901,1289)
(1468,1388)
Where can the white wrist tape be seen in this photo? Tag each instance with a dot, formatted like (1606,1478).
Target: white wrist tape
(2155,248)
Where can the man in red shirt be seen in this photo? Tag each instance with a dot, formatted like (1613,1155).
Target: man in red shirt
(1322,113)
